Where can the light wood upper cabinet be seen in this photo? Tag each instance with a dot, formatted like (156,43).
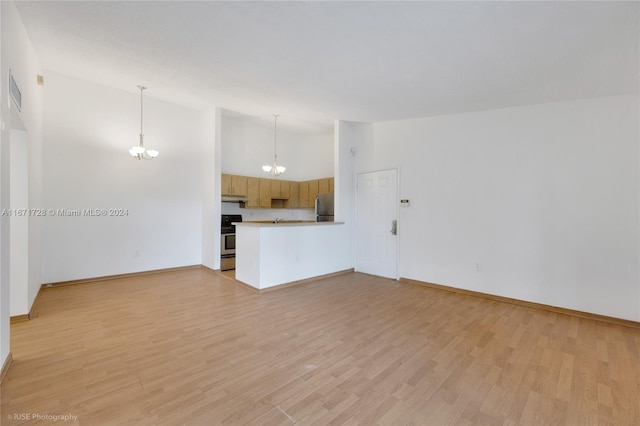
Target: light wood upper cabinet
(253,192)
(313,192)
(279,189)
(285,189)
(265,192)
(304,195)
(331,185)
(323,186)
(276,193)
(293,202)
(239,185)
(275,188)
(226,184)
(234,185)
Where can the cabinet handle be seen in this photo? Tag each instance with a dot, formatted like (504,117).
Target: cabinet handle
(394,227)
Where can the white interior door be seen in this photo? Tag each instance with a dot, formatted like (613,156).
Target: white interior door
(377,212)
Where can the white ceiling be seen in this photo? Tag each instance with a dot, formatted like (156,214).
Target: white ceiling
(313,62)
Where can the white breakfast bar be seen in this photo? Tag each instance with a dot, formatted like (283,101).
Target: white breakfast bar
(272,254)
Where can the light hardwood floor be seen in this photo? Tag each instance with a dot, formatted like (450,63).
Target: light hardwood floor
(193,347)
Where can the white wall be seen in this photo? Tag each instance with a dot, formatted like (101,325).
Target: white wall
(211,188)
(19,223)
(247,145)
(539,203)
(348,137)
(18,55)
(88,131)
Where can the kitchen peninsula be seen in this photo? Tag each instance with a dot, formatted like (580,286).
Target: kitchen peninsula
(272,254)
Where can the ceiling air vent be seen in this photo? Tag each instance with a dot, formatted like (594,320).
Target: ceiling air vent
(14,91)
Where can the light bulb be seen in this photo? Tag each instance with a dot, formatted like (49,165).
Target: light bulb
(135,150)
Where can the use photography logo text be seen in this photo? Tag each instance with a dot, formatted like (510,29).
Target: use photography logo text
(43,416)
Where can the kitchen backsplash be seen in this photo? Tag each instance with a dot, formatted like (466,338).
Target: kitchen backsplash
(267,214)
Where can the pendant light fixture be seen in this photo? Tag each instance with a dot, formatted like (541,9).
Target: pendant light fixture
(275,169)
(140,152)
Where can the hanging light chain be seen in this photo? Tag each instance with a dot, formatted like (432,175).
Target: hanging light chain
(141,115)
(139,152)
(275,169)
(275,138)
(141,110)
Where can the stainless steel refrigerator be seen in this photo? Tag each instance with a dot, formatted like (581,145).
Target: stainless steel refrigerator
(324,208)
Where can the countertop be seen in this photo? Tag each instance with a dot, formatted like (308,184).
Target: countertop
(286,223)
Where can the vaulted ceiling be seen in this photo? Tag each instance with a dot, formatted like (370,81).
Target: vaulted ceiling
(360,61)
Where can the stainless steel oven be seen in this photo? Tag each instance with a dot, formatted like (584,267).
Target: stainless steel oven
(227,244)
(227,252)
(228,241)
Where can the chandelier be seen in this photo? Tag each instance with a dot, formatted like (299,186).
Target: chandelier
(275,169)
(140,152)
